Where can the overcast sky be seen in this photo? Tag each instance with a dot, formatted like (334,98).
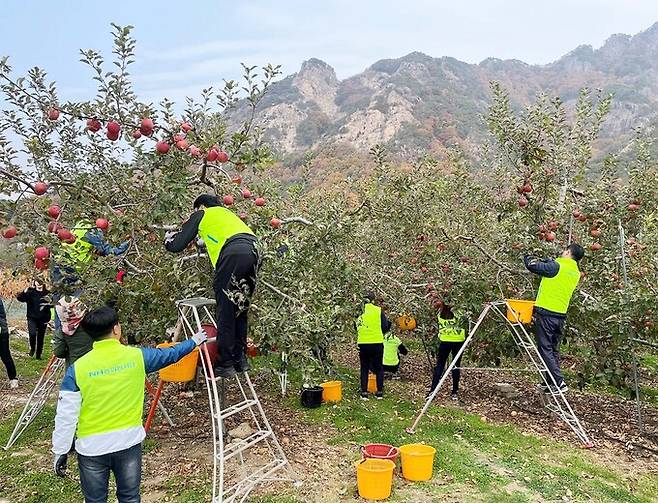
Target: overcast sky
(184,46)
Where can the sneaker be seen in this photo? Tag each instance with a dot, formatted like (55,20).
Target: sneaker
(563,387)
(364,397)
(225,371)
(379,395)
(243,364)
(453,396)
(13,384)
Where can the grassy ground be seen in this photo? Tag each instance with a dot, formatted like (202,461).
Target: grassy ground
(476,460)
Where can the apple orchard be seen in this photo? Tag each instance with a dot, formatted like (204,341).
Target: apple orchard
(417,233)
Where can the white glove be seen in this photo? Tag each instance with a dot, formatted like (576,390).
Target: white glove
(200,337)
(169,236)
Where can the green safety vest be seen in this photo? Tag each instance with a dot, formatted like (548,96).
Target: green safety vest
(369,325)
(555,293)
(450,331)
(391,345)
(111,381)
(81,251)
(217,226)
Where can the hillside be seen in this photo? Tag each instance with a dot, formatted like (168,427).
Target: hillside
(418,102)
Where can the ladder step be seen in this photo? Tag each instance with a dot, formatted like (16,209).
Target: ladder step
(234,409)
(244,444)
(261,474)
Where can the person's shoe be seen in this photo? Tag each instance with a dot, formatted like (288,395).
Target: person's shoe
(243,364)
(563,387)
(13,384)
(364,397)
(453,396)
(31,353)
(379,395)
(395,377)
(225,371)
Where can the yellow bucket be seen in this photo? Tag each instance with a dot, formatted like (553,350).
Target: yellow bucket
(374,478)
(183,370)
(522,308)
(332,391)
(417,461)
(372,383)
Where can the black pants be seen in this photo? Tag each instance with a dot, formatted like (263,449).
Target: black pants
(445,348)
(392,368)
(370,357)
(37,331)
(5,354)
(234,284)
(548,333)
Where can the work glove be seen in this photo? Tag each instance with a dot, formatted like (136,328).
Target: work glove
(59,464)
(200,337)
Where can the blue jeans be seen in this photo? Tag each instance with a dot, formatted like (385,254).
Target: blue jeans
(95,475)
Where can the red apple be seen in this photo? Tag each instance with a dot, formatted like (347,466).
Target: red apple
(178,137)
(71,240)
(194,151)
(54,226)
(42,253)
(541,228)
(246,193)
(527,188)
(54,211)
(113,128)
(550,237)
(186,126)
(40,188)
(633,207)
(162,147)
(53,114)
(9,232)
(146,127)
(212,155)
(64,234)
(582,218)
(182,144)
(552,225)
(275,222)
(595,233)
(260,201)
(94,125)
(575,213)
(228,200)
(102,224)
(222,156)
(112,136)
(595,246)
(243,216)
(523,202)
(137,134)
(42,265)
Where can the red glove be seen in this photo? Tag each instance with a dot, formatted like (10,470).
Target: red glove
(120,276)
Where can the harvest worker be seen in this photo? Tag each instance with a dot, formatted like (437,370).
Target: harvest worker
(559,280)
(101,402)
(451,339)
(5,353)
(393,348)
(231,246)
(71,341)
(370,328)
(38,315)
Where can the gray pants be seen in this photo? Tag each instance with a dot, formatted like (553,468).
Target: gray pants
(548,333)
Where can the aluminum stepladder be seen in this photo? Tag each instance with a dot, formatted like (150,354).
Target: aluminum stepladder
(194,313)
(38,398)
(555,401)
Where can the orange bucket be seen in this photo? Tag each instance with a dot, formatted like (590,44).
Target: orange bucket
(522,308)
(332,391)
(183,370)
(372,383)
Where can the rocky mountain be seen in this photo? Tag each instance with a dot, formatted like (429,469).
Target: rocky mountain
(419,102)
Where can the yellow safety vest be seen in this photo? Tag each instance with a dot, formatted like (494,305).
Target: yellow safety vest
(80,251)
(555,293)
(217,226)
(111,381)
(391,345)
(369,325)
(450,331)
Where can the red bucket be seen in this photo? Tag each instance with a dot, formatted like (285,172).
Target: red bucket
(211,331)
(380,451)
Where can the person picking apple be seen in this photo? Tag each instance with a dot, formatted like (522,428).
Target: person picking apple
(559,279)
(232,250)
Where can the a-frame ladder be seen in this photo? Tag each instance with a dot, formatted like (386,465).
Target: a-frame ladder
(555,401)
(233,478)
